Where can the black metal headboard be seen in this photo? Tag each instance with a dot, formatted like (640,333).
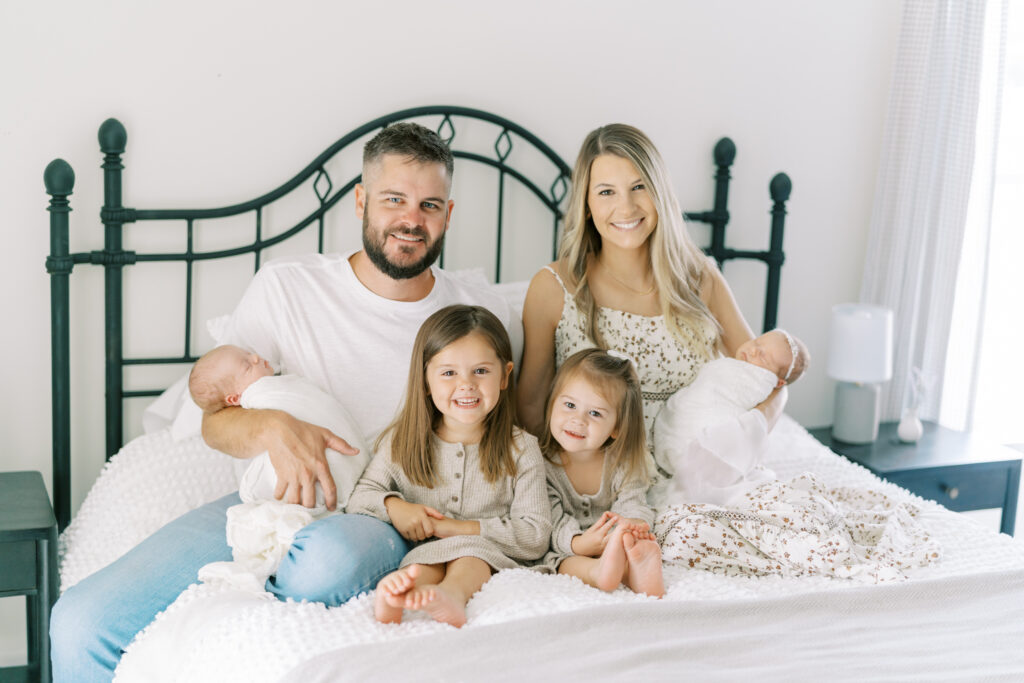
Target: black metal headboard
(549,186)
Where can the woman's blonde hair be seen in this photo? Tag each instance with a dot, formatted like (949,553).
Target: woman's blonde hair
(410,434)
(615,380)
(677,263)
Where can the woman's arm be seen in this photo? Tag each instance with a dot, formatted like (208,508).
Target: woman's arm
(718,296)
(719,299)
(541,313)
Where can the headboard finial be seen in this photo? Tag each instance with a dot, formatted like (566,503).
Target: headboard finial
(59,178)
(725,152)
(113,137)
(780,187)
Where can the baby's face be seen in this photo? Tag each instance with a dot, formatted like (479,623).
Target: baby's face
(769,351)
(241,366)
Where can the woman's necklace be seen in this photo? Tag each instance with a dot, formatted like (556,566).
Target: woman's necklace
(635,291)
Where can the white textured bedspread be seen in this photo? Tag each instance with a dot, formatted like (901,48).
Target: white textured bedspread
(968,607)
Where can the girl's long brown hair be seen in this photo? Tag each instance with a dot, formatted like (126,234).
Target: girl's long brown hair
(617,382)
(409,435)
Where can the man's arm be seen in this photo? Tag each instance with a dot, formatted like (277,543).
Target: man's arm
(296,449)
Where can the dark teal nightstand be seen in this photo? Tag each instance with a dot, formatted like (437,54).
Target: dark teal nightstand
(28,564)
(957,469)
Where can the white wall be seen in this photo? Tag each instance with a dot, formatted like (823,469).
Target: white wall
(225,100)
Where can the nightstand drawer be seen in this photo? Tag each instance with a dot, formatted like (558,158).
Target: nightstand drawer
(958,488)
(18,566)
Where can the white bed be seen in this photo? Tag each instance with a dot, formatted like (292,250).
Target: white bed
(961,618)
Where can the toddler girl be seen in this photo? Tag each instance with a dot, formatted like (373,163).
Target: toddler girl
(597,476)
(453,474)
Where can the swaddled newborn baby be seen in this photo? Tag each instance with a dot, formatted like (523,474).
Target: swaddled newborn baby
(231,376)
(709,434)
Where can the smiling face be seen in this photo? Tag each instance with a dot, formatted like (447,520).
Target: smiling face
(620,206)
(465,380)
(405,210)
(769,351)
(582,420)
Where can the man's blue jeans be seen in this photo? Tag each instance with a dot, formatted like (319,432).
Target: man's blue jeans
(330,561)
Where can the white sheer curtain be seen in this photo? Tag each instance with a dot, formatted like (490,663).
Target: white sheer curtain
(916,238)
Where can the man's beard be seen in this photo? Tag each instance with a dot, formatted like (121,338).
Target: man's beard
(375,250)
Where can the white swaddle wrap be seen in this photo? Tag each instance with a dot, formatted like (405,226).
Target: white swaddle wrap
(261,529)
(709,436)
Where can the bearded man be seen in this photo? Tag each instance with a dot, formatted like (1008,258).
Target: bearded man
(347,323)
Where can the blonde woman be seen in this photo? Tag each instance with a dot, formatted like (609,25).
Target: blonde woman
(629,278)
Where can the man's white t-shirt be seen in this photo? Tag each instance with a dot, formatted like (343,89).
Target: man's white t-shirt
(311,316)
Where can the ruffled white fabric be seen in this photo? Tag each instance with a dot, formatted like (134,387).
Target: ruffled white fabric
(219,633)
(259,535)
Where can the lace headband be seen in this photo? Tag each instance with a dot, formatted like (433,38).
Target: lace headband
(794,351)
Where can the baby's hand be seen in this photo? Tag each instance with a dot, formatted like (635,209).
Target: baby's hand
(591,542)
(413,521)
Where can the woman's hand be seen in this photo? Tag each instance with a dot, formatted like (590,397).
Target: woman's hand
(413,521)
(773,406)
(591,542)
(447,527)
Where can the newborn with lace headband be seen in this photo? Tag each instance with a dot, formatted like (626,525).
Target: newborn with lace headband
(709,434)
(777,351)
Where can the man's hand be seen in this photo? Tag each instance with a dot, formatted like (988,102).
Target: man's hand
(296,451)
(413,521)
(591,542)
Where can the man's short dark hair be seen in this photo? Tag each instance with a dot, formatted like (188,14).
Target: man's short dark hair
(411,140)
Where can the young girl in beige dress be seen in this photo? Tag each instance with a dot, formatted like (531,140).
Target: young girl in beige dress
(453,474)
(597,476)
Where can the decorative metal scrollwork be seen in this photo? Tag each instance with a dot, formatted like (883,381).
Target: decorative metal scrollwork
(558,189)
(503,140)
(322,175)
(446,130)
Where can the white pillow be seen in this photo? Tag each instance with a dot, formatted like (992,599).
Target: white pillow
(514,293)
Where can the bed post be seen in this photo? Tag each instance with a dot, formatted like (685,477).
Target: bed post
(725,154)
(112,137)
(780,187)
(59,179)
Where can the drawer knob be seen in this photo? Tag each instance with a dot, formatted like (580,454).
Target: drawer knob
(952,491)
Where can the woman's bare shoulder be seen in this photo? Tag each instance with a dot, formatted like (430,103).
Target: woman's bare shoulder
(545,294)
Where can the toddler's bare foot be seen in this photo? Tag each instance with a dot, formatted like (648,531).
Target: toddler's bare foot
(389,600)
(644,574)
(612,563)
(439,604)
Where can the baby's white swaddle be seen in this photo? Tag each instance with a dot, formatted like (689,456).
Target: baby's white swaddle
(302,399)
(710,437)
(261,529)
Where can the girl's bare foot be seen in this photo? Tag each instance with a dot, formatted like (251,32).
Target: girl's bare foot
(389,600)
(612,564)
(644,573)
(439,604)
